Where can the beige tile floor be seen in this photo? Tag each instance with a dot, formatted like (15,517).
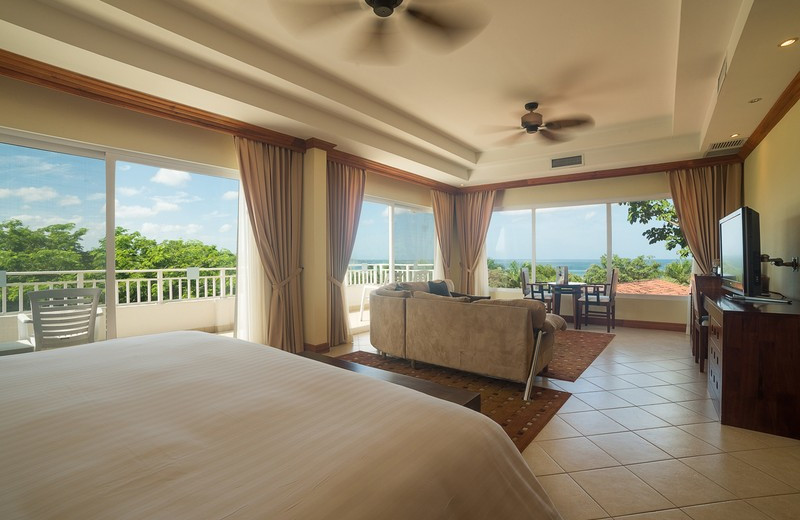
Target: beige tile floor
(639,439)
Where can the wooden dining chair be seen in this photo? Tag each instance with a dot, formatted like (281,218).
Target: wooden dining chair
(600,295)
(535,291)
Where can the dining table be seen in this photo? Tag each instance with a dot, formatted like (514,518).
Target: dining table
(574,289)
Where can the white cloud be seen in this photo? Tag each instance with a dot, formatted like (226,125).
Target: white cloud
(40,221)
(153,229)
(30,193)
(224,228)
(171,177)
(180,197)
(134,211)
(30,164)
(123,167)
(96,196)
(69,200)
(230,195)
(161,205)
(590,215)
(129,192)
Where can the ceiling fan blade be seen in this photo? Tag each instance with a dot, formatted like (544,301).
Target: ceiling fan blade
(512,139)
(568,123)
(303,16)
(550,136)
(379,44)
(448,28)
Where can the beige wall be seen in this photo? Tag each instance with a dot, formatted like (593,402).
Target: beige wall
(400,191)
(600,190)
(56,114)
(772,187)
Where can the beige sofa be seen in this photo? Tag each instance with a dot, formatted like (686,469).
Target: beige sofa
(506,339)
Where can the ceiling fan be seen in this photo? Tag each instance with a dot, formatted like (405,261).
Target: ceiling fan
(533,123)
(445,26)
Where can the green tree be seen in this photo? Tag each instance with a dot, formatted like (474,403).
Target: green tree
(653,212)
(679,271)
(630,269)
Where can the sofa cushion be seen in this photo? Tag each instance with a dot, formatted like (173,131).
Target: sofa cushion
(392,293)
(535,307)
(428,296)
(554,322)
(412,286)
(439,288)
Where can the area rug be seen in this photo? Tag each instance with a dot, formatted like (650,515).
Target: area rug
(501,401)
(574,351)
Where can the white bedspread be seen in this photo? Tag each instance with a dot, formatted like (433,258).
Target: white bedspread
(194,426)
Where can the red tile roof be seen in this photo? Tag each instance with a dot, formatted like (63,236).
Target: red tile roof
(653,287)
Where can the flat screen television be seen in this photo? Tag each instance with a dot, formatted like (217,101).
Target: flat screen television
(740,252)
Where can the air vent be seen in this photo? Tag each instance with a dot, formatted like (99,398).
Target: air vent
(724,147)
(563,162)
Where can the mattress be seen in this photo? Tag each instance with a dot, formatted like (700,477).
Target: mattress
(188,425)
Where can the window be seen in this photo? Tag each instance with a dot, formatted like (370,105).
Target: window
(175,236)
(394,243)
(52,223)
(641,238)
(645,267)
(509,246)
(574,236)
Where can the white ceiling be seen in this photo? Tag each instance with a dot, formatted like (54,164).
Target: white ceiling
(645,71)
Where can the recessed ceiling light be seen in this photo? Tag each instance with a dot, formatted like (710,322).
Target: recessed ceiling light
(734,135)
(755,100)
(788,42)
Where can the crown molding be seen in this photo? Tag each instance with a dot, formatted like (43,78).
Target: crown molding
(45,75)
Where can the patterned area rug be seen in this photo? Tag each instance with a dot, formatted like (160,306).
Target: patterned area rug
(574,351)
(501,401)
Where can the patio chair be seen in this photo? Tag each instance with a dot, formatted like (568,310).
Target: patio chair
(535,291)
(63,317)
(600,295)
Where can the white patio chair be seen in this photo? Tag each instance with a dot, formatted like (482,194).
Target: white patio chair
(63,317)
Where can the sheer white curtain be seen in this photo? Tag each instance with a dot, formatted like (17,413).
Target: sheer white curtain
(253,290)
(482,274)
(438,262)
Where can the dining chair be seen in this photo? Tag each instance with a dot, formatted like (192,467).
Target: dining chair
(600,295)
(535,291)
(63,317)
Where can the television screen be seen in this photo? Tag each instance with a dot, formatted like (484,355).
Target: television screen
(732,252)
(740,252)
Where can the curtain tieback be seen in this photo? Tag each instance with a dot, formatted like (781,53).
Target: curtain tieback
(335,282)
(288,279)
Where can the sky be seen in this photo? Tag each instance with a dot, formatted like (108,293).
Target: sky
(41,188)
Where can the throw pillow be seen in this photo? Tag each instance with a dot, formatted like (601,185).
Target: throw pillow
(439,288)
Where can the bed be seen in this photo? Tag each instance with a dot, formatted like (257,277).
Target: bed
(188,425)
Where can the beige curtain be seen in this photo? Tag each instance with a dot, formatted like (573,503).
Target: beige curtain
(702,196)
(272,180)
(345,195)
(473,213)
(443,216)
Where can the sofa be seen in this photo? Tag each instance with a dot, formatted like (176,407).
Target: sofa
(505,339)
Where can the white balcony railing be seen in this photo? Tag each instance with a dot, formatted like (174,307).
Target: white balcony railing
(378,274)
(135,285)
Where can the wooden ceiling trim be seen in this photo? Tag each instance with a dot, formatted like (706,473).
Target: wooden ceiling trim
(785,102)
(45,75)
(389,171)
(606,174)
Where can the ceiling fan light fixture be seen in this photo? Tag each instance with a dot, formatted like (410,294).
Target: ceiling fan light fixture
(383,8)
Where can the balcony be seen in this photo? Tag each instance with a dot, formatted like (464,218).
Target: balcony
(147,301)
